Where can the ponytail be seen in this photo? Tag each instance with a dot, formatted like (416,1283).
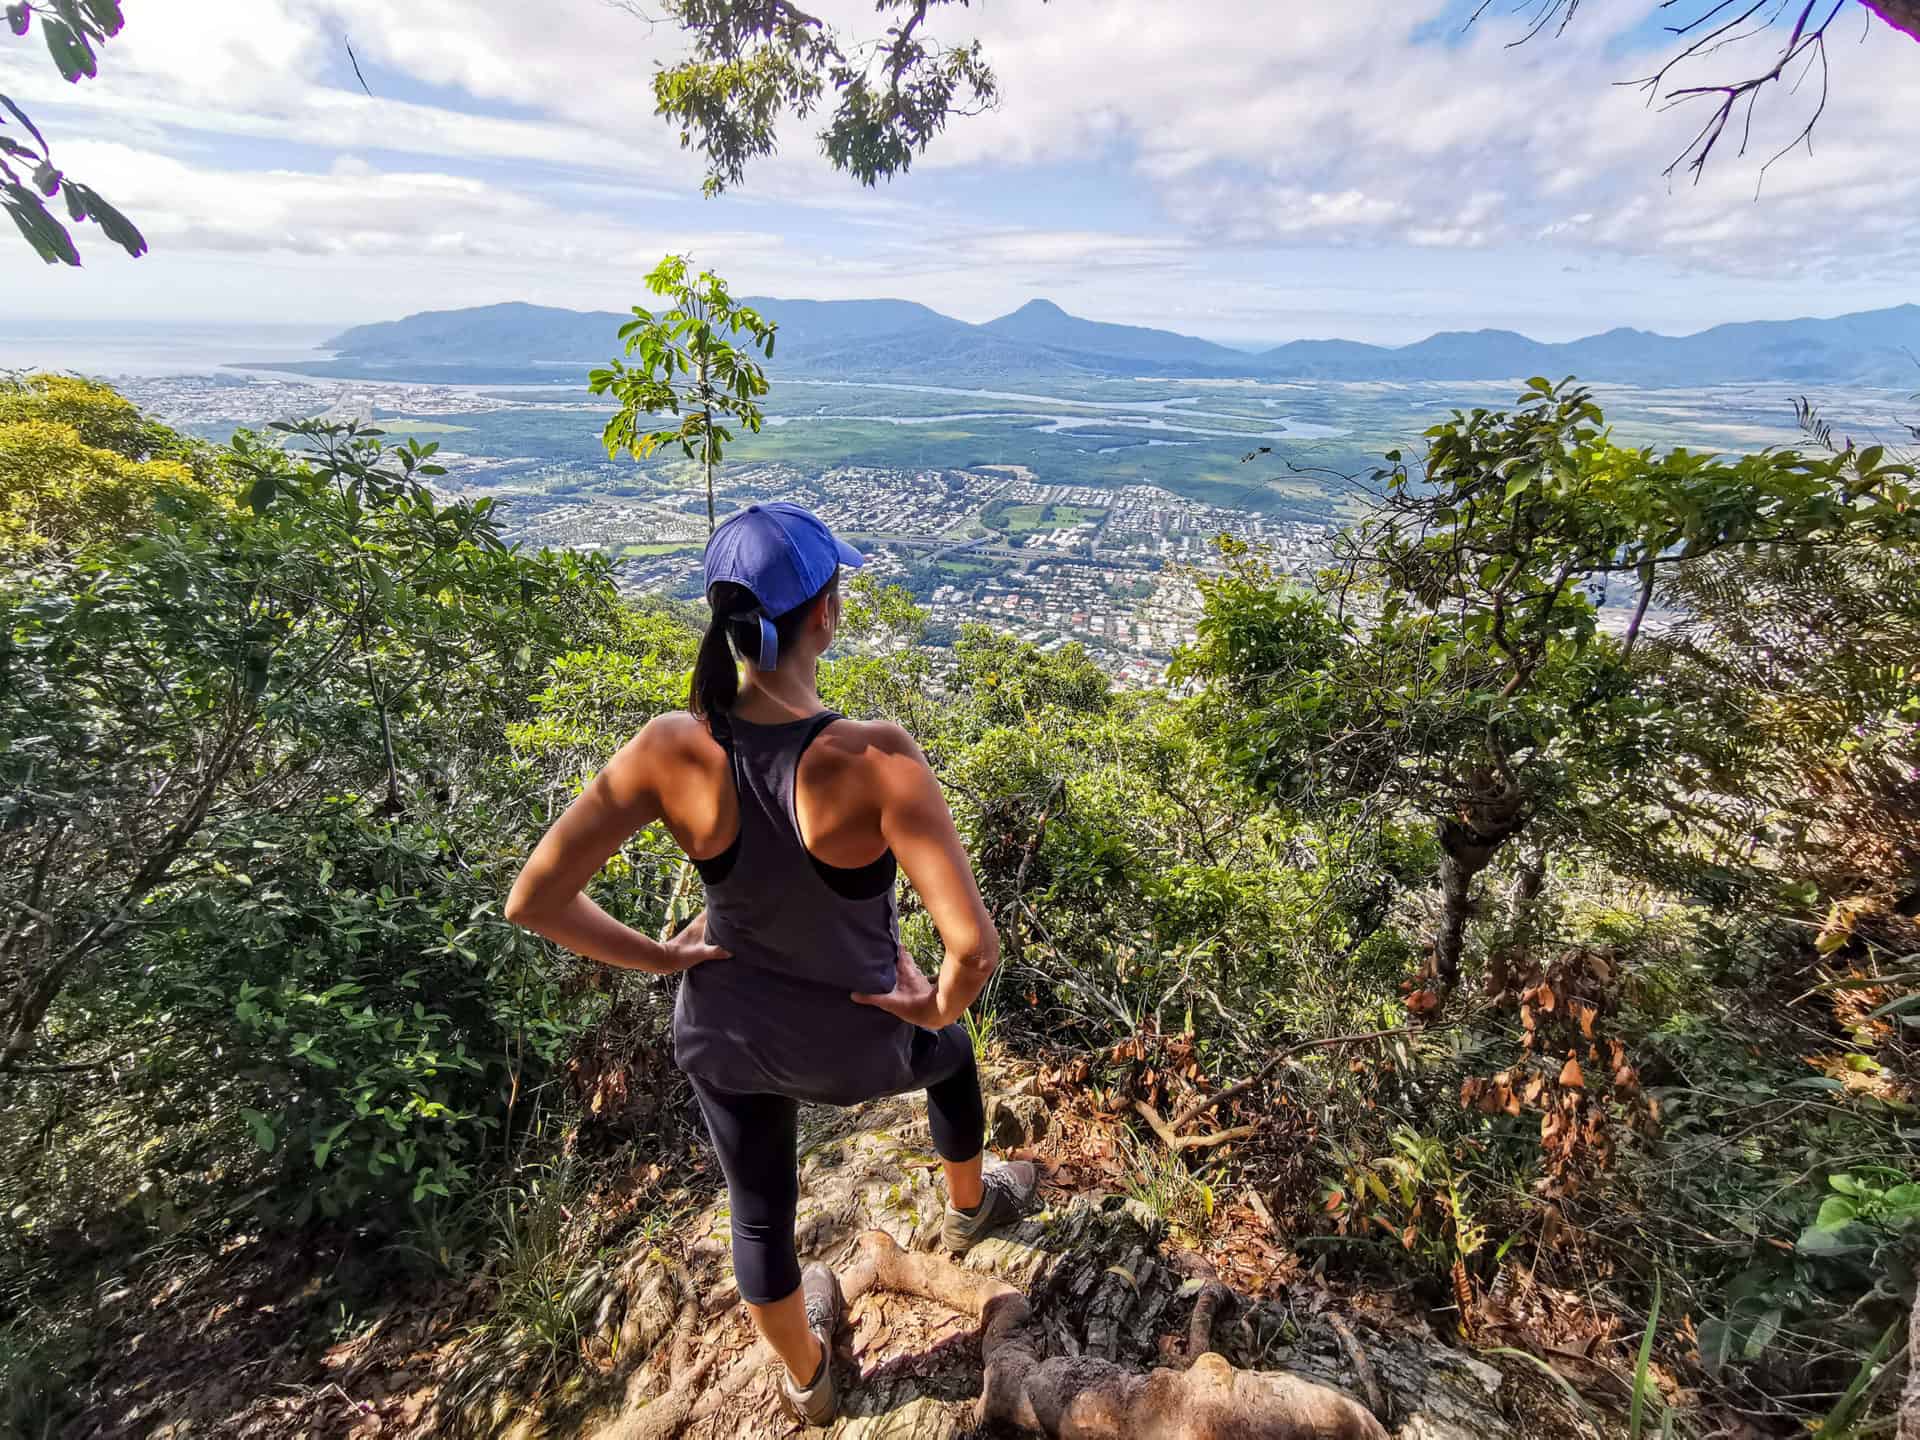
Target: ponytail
(716,683)
(738,626)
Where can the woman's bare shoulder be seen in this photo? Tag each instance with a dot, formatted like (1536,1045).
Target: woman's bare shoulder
(879,742)
(880,755)
(676,735)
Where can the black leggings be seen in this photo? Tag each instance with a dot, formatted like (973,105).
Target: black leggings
(757,1135)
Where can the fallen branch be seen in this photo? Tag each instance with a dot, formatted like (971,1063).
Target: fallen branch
(1362,1367)
(1084,1398)
(1233,1092)
(1191,1142)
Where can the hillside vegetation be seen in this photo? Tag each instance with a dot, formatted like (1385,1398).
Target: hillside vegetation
(1560,986)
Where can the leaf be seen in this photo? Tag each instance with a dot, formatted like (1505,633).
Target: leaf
(106,14)
(1830,1243)
(1570,1074)
(1636,1414)
(262,1128)
(122,231)
(70,51)
(1836,1211)
(46,235)
(1902,1202)
(1716,1344)
(1761,1336)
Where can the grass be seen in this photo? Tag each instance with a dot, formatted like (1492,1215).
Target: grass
(661,547)
(1160,1181)
(1022,519)
(550,1281)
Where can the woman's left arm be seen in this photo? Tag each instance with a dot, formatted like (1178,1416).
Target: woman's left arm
(549,897)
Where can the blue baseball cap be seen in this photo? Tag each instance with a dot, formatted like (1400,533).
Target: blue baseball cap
(783,554)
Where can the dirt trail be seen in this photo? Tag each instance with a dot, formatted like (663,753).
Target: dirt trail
(1103,1280)
(237,1343)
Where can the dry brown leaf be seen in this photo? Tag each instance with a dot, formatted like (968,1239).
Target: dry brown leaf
(1570,1074)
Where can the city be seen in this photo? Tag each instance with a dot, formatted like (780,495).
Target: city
(1110,568)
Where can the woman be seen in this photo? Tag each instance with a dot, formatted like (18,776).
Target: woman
(796,987)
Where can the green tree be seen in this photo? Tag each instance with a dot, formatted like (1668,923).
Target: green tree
(78,464)
(223,664)
(688,367)
(73,31)
(755,61)
(1453,665)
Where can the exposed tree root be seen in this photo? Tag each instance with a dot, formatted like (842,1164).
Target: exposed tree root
(1085,1398)
(692,1394)
(1206,1310)
(1191,1142)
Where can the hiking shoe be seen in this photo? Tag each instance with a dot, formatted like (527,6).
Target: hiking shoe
(1004,1194)
(818,1403)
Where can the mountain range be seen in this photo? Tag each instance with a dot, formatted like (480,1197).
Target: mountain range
(899,340)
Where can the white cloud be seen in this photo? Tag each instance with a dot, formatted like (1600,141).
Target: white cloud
(514,146)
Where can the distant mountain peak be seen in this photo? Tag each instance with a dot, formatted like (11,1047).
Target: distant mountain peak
(1040,310)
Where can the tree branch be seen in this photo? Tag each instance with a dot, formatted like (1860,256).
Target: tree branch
(1232,1092)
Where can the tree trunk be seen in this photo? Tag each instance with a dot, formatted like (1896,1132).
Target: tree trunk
(1528,883)
(706,448)
(709,463)
(1516,946)
(1463,855)
(393,807)
(1902,15)
(1639,611)
(1910,1396)
(1493,814)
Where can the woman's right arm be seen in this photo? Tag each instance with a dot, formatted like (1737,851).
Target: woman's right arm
(919,828)
(550,898)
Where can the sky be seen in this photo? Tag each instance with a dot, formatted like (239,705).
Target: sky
(1246,170)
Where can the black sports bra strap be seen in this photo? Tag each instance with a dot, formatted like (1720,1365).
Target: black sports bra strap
(820,722)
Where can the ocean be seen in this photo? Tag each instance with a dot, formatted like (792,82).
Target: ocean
(155,350)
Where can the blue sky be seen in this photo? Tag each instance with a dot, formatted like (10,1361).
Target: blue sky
(1247,171)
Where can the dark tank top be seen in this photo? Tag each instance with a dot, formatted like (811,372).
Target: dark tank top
(777,1016)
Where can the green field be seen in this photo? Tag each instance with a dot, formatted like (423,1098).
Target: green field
(664,547)
(420,427)
(1022,519)
(1293,451)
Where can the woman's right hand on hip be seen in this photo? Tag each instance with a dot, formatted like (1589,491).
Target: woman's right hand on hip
(690,948)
